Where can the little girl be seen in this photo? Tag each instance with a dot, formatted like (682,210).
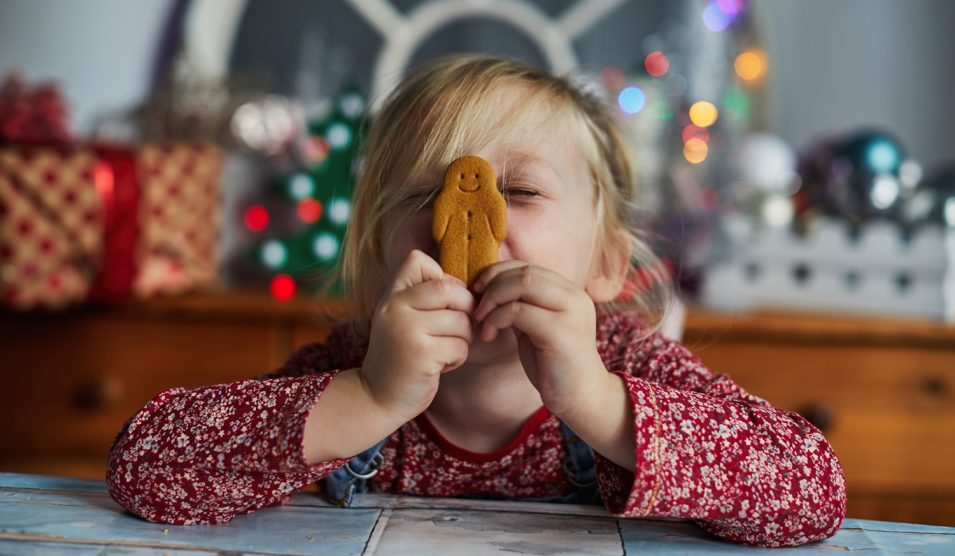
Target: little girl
(439,388)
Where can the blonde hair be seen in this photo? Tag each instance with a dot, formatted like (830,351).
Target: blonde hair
(427,122)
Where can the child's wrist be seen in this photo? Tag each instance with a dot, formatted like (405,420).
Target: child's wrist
(592,404)
(371,403)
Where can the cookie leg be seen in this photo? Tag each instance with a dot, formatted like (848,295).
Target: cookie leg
(481,254)
(454,258)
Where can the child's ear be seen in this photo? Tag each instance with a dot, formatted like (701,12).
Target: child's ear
(610,271)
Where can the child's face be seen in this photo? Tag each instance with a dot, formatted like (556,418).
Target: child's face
(550,214)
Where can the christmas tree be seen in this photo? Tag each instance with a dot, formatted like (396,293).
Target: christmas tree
(320,192)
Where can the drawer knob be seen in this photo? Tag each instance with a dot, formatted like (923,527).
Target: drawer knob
(97,392)
(934,386)
(818,414)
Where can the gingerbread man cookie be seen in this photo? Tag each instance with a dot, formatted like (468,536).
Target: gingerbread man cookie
(470,218)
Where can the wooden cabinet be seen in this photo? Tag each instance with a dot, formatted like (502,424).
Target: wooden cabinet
(882,390)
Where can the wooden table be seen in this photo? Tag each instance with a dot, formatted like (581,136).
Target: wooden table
(57,515)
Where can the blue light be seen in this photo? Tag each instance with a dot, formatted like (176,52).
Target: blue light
(631,100)
(883,156)
(716,19)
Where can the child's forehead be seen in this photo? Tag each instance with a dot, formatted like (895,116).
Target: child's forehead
(512,128)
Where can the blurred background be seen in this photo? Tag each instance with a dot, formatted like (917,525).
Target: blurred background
(176,179)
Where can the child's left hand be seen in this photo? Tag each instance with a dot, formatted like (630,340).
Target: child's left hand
(555,323)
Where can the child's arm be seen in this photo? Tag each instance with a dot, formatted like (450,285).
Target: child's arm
(701,447)
(205,455)
(707,450)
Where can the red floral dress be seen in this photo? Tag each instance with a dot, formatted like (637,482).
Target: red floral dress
(706,450)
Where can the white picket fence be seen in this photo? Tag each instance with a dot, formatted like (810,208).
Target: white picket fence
(877,272)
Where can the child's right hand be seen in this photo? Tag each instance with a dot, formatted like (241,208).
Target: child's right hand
(420,330)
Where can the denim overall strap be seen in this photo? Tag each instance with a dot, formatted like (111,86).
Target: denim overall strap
(342,484)
(579,467)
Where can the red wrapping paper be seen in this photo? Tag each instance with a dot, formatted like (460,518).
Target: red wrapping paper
(106,222)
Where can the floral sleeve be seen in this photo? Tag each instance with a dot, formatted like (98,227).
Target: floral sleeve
(205,455)
(709,451)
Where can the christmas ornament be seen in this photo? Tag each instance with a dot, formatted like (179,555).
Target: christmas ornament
(856,177)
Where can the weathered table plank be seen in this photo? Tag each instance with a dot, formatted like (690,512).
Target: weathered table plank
(54,515)
(88,516)
(466,533)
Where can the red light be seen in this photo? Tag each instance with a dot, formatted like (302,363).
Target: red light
(309,210)
(656,63)
(612,78)
(316,149)
(256,218)
(283,287)
(693,132)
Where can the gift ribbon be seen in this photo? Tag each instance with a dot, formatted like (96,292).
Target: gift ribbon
(117,186)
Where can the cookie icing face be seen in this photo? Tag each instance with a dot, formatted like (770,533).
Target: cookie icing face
(469,182)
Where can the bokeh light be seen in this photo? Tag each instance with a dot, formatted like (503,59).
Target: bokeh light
(885,191)
(703,113)
(750,65)
(656,64)
(325,246)
(883,156)
(716,19)
(282,287)
(316,149)
(660,109)
(612,78)
(737,102)
(339,136)
(731,8)
(256,218)
(693,132)
(631,100)
(274,254)
(309,210)
(695,151)
(301,186)
(339,209)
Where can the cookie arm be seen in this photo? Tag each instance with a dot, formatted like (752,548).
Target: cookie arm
(442,217)
(497,220)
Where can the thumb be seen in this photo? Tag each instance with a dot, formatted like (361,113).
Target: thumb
(417,267)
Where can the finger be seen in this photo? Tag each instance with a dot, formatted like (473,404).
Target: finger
(531,284)
(443,293)
(451,353)
(529,319)
(450,324)
(416,269)
(488,274)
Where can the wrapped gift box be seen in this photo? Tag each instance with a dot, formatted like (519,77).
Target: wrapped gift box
(106,222)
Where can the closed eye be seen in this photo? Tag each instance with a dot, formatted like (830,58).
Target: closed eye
(519,192)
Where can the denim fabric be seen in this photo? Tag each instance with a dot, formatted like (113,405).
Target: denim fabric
(342,484)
